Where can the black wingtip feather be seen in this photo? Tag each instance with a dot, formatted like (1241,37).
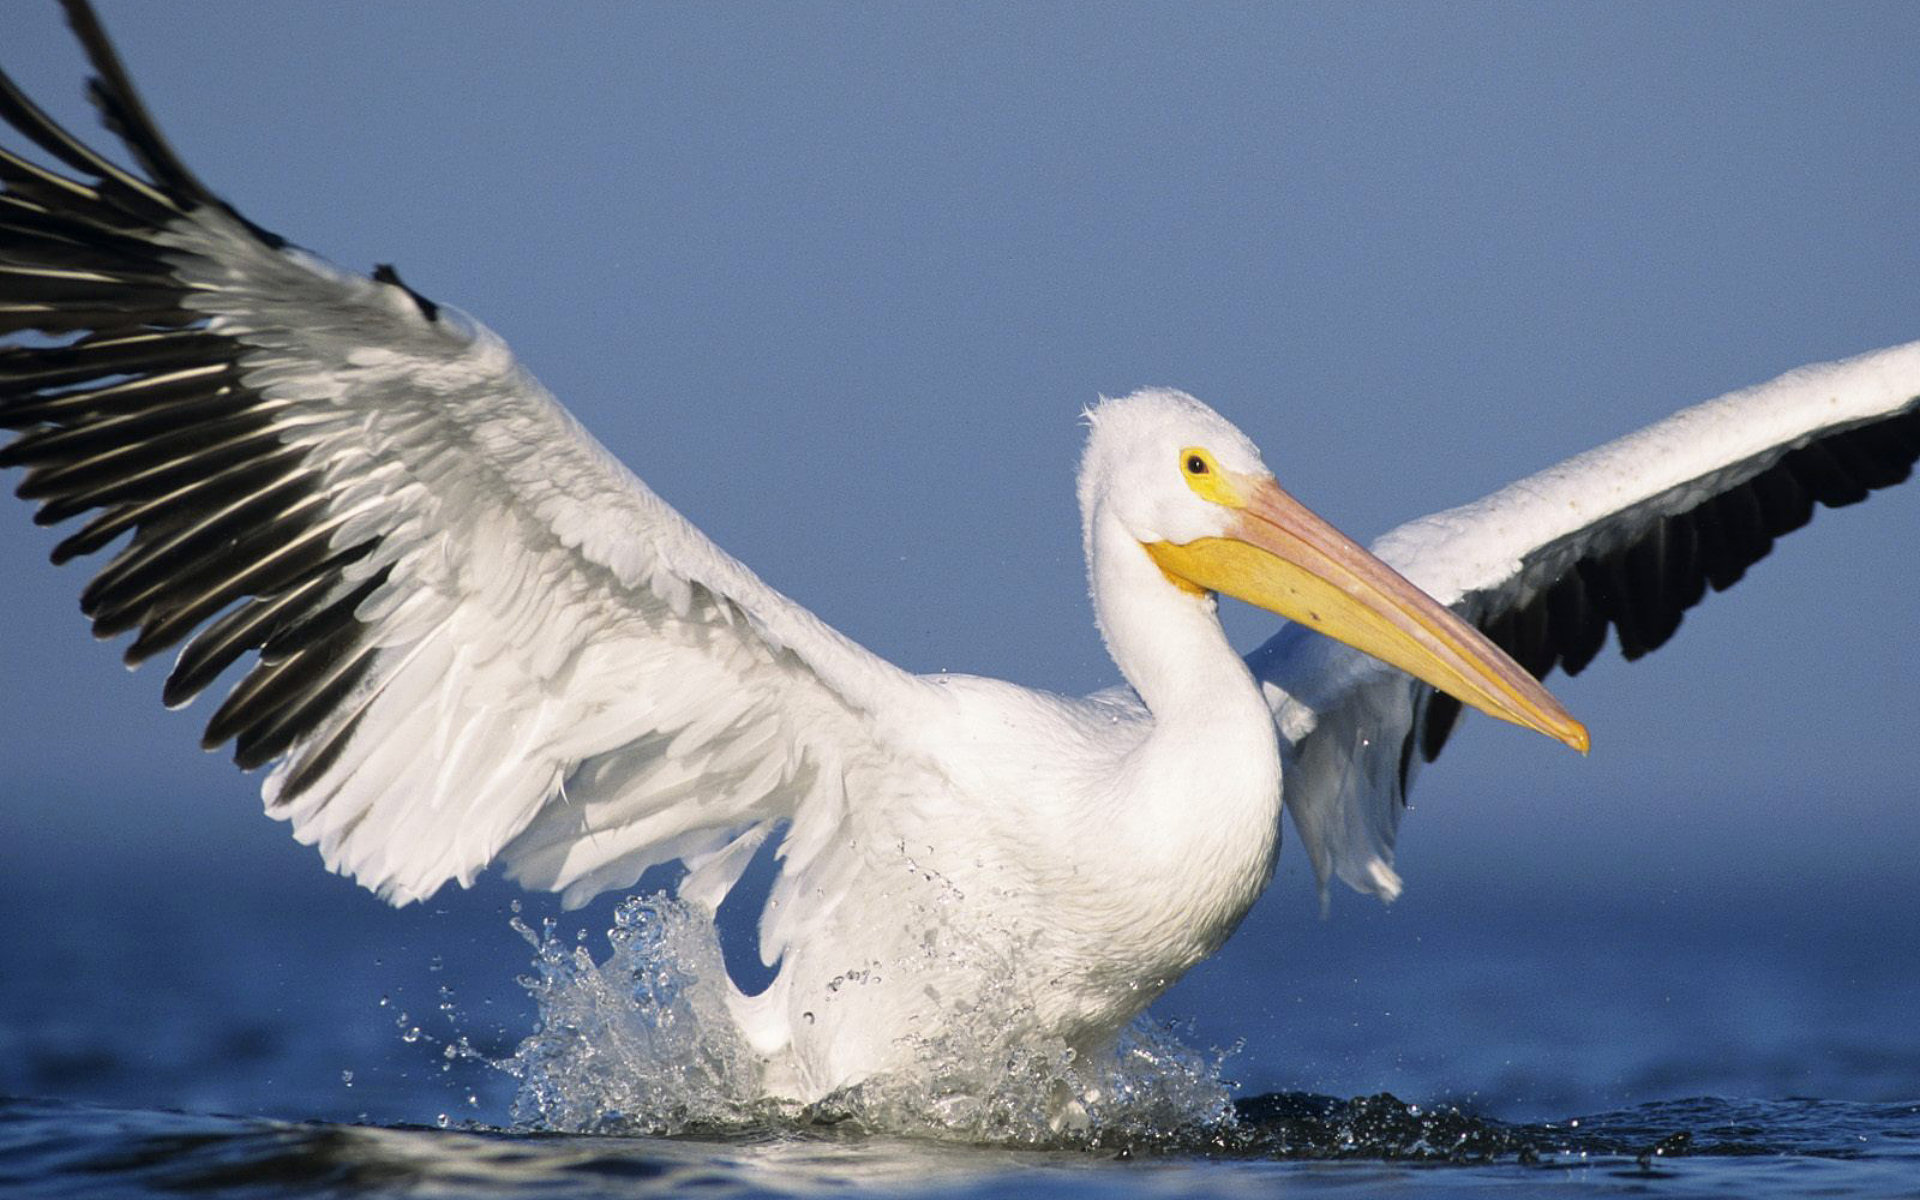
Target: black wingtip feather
(132,407)
(123,112)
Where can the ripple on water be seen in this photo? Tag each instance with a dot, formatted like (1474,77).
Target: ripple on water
(1703,1147)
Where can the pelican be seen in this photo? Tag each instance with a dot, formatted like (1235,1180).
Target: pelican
(466,636)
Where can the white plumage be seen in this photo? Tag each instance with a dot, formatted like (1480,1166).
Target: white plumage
(474,638)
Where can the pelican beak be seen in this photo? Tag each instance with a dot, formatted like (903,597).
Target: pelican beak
(1281,556)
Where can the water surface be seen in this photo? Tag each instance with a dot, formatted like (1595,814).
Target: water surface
(278,1032)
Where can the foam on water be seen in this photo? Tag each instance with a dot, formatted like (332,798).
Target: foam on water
(640,1042)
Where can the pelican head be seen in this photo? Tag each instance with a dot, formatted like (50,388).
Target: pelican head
(1190,491)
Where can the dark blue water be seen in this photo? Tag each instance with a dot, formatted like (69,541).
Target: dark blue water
(1324,1147)
(276,1032)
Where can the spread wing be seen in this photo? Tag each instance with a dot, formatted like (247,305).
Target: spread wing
(464,632)
(1626,537)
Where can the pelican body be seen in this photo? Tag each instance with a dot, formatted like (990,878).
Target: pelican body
(465,635)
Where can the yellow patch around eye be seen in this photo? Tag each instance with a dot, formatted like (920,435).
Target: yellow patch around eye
(1207,480)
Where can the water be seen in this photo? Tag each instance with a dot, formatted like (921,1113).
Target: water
(1303,1144)
(1688,1041)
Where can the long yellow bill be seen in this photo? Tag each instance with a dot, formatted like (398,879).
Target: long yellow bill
(1281,556)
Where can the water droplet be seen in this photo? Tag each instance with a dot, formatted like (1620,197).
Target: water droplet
(346,1077)
(807,1017)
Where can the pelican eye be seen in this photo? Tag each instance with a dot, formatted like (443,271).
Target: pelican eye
(1206,478)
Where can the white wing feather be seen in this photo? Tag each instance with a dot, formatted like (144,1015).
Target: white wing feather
(480,636)
(567,671)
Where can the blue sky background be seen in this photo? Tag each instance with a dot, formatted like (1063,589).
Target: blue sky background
(837,280)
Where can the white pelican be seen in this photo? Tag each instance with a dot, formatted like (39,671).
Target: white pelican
(470,637)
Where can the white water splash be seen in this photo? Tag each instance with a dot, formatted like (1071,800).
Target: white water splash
(640,1042)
